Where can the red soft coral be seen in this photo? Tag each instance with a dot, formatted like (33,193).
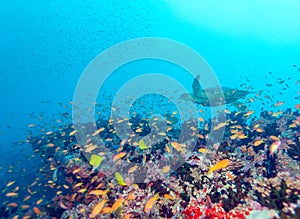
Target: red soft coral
(215,212)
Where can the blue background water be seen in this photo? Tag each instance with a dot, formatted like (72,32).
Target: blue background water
(46,45)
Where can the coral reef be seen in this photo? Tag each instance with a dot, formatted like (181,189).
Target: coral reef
(259,175)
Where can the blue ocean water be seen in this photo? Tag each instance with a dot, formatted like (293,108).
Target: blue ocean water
(45,46)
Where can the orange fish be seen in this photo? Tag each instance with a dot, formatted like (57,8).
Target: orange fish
(13,204)
(90,148)
(98,131)
(127,216)
(97,209)
(230,175)
(11,194)
(25,206)
(39,201)
(274,138)
(242,136)
(77,185)
(131,196)
(168,149)
(117,204)
(98,192)
(168,196)
(219,126)
(258,142)
(62,205)
(178,147)
(132,169)
(234,136)
(259,130)
(279,103)
(249,113)
(76,170)
(274,148)
(251,99)
(150,203)
(118,156)
(26,198)
(218,166)
(277,113)
(37,211)
(106,210)
(200,136)
(201,119)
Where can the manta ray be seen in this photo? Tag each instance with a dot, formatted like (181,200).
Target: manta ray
(214,96)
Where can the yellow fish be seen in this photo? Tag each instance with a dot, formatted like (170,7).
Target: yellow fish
(203,150)
(83,190)
(256,126)
(139,130)
(73,133)
(218,166)
(120,179)
(95,161)
(10,183)
(166,169)
(150,203)
(142,145)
